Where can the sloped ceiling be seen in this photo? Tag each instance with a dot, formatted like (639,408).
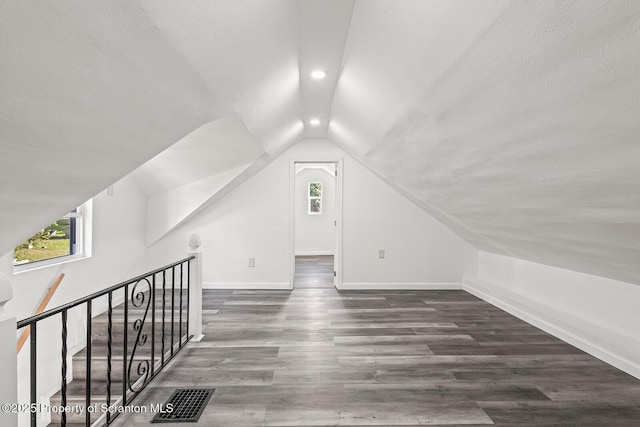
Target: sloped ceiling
(184,177)
(517,124)
(212,148)
(514,123)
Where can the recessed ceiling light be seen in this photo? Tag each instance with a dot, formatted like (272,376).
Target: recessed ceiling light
(314,122)
(318,74)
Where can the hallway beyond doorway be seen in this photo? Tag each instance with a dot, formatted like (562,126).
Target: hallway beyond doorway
(314,272)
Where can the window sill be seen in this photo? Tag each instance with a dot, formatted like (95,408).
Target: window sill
(39,265)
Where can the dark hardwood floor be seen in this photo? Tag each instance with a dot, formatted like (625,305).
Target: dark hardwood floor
(315,357)
(314,272)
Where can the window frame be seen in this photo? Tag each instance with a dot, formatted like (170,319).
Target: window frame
(83,217)
(311,198)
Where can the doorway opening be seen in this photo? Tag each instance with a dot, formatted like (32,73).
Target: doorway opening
(314,271)
(315,223)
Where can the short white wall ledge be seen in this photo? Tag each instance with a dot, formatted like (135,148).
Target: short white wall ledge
(8,355)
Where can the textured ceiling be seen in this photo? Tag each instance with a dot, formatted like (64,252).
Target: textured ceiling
(515,123)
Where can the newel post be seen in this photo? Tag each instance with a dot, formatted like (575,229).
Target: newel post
(195,289)
(8,356)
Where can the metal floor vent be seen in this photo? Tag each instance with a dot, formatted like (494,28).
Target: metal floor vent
(185,405)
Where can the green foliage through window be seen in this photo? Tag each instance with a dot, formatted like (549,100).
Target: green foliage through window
(56,240)
(315,189)
(315,198)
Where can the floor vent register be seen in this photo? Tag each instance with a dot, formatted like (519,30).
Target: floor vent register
(185,405)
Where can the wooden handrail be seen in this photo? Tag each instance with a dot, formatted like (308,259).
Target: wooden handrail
(40,309)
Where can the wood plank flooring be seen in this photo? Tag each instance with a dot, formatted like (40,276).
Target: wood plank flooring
(314,272)
(320,357)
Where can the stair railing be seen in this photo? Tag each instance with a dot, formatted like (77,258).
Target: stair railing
(163,295)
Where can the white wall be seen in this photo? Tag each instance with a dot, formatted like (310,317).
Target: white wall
(118,254)
(420,252)
(598,315)
(315,234)
(250,222)
(253,221)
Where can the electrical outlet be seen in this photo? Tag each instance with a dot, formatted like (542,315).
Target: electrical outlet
(252,262)
(381,253)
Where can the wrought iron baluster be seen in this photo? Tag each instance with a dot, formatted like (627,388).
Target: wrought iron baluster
(180,324)
(173,303)
(188,295)
(164,304)
(34,373)
(124,345)
(63,387)
(88,367)
(138,298)
(153,326)
(146,367)
(109,352)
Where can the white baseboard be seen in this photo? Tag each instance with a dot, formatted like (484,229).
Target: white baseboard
(246,285)
(401,286)
(603,343)
(314,253)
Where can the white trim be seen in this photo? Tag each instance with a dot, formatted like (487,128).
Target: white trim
(87,228)
(246,285)
(292,224)
(603,343)
(337,260)
(402,286)
(315,253)
(46,263)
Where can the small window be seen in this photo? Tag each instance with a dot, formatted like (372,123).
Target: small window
(315,198)
(61,240)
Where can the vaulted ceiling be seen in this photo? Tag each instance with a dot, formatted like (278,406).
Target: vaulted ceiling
(515,123)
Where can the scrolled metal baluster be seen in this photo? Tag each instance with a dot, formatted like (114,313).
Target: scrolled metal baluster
(145,368)
(153,325)
(138,299)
